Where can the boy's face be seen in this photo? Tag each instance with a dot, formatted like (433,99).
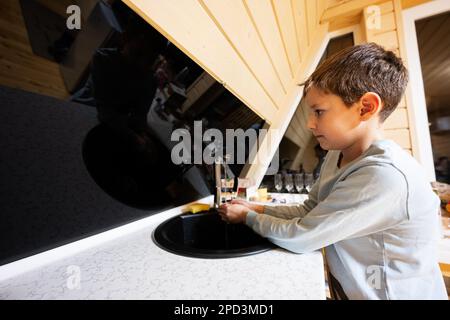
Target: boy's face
(335,125)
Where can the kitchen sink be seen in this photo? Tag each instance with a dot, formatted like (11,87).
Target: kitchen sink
(205,235)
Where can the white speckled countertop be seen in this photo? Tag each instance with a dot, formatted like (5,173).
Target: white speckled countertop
(124,263)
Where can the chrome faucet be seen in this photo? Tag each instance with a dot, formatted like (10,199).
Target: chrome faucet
(217,178)
(218,162)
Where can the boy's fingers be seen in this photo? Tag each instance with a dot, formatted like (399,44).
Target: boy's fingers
(221,210)
(223,217)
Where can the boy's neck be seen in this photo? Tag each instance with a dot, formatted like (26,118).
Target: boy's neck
(358,147)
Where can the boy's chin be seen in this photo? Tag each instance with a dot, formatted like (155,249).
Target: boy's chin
(328,145)
(324,145)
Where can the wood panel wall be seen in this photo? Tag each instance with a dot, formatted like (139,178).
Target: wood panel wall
(19,66)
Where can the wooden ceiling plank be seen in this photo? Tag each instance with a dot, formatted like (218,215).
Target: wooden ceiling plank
(348,8)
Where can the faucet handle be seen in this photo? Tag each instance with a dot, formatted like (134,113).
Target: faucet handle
(227,157)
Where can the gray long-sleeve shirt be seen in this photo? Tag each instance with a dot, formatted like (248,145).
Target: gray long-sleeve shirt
(377,218)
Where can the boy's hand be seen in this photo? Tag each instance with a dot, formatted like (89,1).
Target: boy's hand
(241,202)
(234,213)
(252,206)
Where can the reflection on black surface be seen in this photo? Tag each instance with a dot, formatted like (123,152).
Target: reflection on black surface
(143,89)
(130,175)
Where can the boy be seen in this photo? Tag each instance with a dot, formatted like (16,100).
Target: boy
(372,208)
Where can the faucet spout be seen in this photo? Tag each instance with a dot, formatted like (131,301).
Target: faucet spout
(218,163)
(217,177)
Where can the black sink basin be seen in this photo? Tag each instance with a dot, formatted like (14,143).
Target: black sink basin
(205,235)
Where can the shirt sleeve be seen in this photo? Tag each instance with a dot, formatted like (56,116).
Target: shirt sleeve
(369,200)
(294,211)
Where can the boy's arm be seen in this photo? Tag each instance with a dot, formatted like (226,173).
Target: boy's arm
(294,211)
(369,200)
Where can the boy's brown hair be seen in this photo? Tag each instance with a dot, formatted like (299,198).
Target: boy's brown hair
(353,71)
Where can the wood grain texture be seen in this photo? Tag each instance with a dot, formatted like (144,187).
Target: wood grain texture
(19,67)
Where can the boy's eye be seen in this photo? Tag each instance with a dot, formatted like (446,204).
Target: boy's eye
(318,112)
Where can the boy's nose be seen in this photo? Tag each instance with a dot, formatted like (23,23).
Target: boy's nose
(311,124)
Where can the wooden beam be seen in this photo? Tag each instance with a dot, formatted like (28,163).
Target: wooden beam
(412,3)
(348,13)
(349,8)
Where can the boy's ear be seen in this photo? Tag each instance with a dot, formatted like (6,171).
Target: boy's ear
(370,105)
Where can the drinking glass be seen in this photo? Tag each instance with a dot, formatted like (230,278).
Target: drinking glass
(299,182)
(278,182)
(309,181)
(288,182)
